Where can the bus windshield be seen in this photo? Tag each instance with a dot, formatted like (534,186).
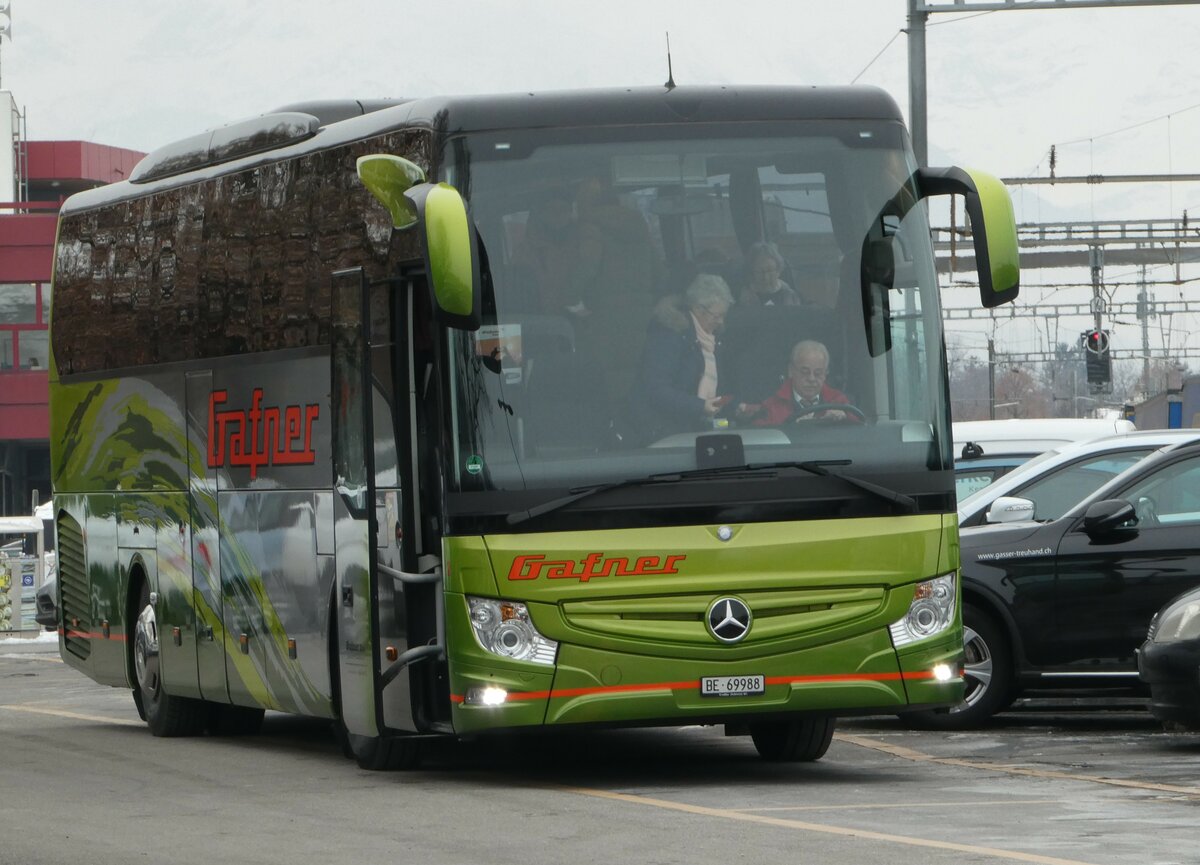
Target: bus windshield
(685,296)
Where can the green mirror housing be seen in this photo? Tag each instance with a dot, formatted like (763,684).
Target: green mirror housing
(388,178)
(449,243)
(451,253)
(993,227)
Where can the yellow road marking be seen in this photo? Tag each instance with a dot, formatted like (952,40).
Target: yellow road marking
(921,757)
(825,829)
(872,806)
(74,716)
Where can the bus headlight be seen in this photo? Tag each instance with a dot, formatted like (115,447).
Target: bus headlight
(931,611)
(505,629)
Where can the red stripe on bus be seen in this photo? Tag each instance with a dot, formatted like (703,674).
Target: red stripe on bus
(694,684)
(90,636)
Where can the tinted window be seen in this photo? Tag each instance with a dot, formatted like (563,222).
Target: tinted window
(1170,496)
(968,483)
(1059,491)
(588,367)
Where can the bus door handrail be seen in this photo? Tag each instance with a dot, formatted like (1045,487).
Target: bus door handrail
(416,653)
(434,651)
(415,579)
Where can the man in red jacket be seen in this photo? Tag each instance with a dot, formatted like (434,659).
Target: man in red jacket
(805,387)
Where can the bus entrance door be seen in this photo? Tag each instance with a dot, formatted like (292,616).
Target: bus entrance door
(355,522)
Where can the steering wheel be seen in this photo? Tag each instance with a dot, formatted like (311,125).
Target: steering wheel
(830,406)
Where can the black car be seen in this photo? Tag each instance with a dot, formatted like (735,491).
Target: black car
(1169,661)
(1065,603)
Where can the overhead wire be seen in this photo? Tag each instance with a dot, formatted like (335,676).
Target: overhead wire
(879,54)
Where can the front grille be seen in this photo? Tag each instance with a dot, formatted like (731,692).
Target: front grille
(73,588)
(680,619)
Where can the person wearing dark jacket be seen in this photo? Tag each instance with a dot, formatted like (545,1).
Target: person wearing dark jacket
(680,387)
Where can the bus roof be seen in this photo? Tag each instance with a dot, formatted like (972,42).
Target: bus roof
(354,120)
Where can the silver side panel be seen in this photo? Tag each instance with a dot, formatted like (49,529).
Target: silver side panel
(275,595)
(206,547)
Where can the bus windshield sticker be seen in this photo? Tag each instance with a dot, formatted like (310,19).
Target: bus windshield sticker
(499,345)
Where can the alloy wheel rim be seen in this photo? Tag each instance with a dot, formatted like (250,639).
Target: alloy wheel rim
(978,668)
(145,651)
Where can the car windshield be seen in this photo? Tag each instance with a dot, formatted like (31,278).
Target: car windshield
(678,297)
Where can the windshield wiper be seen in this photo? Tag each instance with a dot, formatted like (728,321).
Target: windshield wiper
(577,493)
(816,467)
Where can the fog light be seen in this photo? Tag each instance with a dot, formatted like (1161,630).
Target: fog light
(942,672)
(488,696)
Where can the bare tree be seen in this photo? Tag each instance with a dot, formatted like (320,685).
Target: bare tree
(968,386)
(1020,394)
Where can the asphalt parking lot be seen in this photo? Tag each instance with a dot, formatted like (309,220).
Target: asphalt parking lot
(1056,782)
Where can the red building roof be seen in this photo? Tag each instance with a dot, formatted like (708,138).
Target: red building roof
(72,162)
(55,170)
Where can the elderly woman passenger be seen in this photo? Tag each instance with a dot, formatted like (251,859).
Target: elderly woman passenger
(764,286)
(680,387)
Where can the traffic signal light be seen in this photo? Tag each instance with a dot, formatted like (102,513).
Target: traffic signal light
(1099,362)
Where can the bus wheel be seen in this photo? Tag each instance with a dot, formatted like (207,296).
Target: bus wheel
(165,715)
(989,677)
(800,741)
(375,753)
(234,720)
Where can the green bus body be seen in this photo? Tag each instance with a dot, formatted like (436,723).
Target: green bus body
(238,527)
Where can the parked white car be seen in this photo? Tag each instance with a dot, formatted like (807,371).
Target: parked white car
(986,450)
(1047,486)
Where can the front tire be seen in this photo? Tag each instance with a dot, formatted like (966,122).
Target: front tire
(374,753)
(989,677)
(798,741)
(382,754)
(164,714)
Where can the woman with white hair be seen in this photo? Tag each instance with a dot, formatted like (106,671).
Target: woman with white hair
(680,388)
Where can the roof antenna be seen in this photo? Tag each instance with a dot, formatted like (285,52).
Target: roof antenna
(670,85)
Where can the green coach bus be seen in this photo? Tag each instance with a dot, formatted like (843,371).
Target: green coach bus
(447,416)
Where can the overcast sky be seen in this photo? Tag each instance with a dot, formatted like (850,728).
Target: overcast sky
(1002,87)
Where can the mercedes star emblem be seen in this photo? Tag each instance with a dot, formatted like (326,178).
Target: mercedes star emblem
(729,619)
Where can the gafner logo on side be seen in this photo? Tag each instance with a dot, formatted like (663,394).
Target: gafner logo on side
(273,436)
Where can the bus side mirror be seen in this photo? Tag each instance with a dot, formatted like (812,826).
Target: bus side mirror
(448,240)
(993,227)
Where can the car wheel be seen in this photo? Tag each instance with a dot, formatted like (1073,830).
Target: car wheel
(800,741)
(165,715)
(989,677)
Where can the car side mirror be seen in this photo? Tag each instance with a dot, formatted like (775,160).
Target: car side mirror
(1010,509)
(1104,517)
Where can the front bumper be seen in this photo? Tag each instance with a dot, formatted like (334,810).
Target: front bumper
(861,675)
(1173,672)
